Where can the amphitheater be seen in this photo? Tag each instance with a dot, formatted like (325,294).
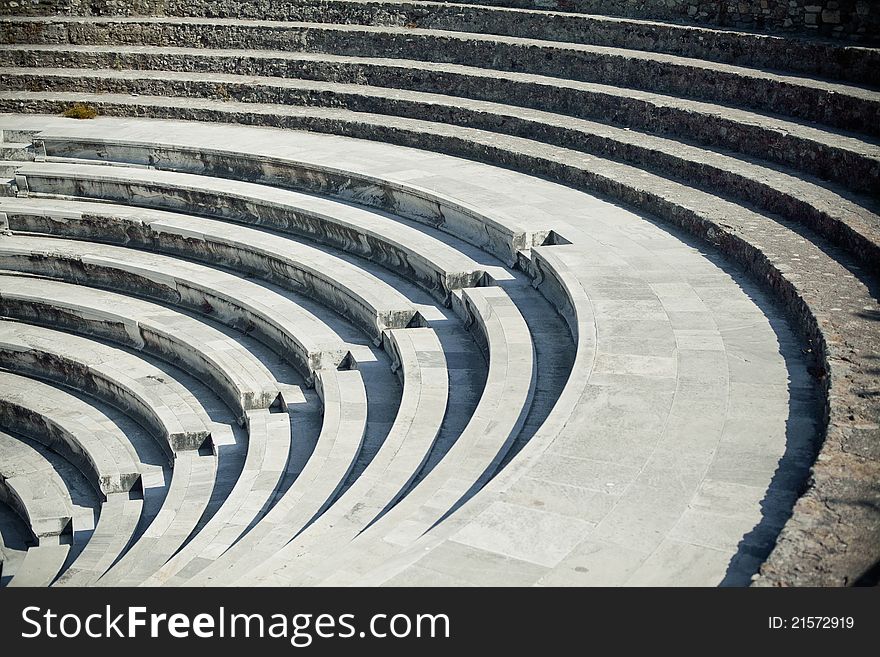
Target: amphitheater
(371,292)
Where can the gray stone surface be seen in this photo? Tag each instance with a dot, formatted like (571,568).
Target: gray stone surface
(841,19)
(269,436)
(31,486)
(233,372)
(468,465)
(315,488)
(72,428)
(117,524)
(430,263)
(301,337)
(347,291)
(823,59)
(657,428)
(189,492)
(840,216)
(831,102)
(794,249)
(174,415)
(40,566)
(421,364)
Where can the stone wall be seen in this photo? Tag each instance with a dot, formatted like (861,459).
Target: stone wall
(82,7)
(857,20)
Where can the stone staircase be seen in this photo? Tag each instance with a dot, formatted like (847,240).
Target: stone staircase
(547,297)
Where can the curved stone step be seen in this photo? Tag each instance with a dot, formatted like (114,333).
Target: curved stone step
(413,166)
(32,487)
(557,281)
(113,375)
(844,158)
(421,366)
(114,531)
(685,76)
(847,107)
(301,337)
(72,428)
(357,124)
(40,566)
(407,251)
(268,448)
(779,240)
(192,478)
(188,495)
(846,219)
(222,363)
(466,468)
(761,19)
(501,233)
(523,19)
(331,281)
(636,503)
(314,489)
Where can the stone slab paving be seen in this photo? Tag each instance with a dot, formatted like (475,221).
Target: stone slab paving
(651,462)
